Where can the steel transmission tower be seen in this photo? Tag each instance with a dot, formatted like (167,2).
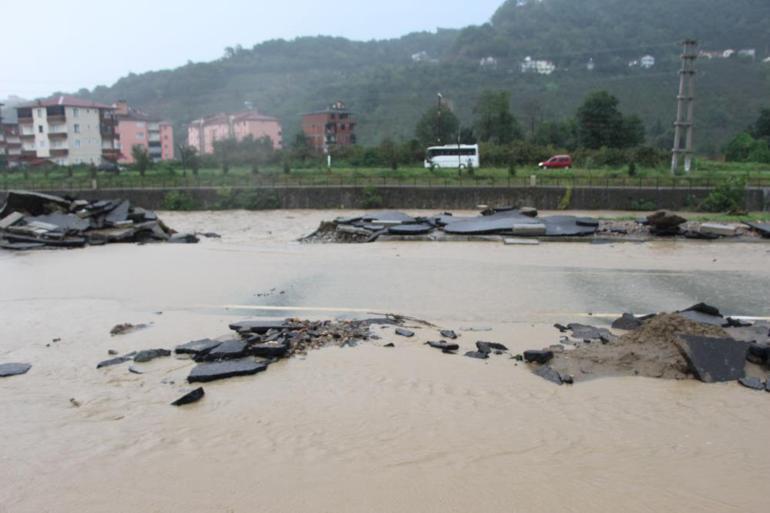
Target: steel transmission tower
(685,108)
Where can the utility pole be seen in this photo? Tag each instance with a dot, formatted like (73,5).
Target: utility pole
(685,107)
(438,118)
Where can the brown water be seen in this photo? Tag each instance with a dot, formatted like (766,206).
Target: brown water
(367,429)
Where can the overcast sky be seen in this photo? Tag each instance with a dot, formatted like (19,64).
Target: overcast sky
(53,45)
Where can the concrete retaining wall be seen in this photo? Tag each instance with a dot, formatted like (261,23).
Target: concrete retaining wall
(434,198)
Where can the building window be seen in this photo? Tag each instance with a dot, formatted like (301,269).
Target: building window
(40,113)
(42,144)
(76,128)
(77,142)
(40,129)
(140,136)
(76,112)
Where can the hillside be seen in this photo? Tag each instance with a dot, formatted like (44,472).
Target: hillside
(388,90)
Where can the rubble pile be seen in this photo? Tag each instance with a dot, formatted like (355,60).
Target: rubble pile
(502,221)
(254,346)
(31,220)
(696,343)
(513,224)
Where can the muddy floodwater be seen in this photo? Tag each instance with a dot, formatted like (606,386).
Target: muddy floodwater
(367,429)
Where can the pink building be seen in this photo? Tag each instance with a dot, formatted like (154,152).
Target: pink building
(202,133)
(137,128)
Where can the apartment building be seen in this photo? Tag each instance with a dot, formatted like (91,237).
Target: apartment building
(67,131)
(136,128)
(10,143)
(329,128)
(202,133)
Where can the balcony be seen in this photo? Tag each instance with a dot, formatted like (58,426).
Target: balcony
(29,147)
(59,146)
(154,137)
(57,129)
(59,118)
(59,152)
(27,131)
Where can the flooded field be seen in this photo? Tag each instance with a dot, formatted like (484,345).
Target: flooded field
(369,429)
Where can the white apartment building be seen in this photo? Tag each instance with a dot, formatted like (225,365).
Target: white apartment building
(67,131)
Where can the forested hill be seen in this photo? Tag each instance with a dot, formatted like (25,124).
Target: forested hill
(389,89)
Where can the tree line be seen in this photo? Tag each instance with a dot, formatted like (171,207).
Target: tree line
(599,134)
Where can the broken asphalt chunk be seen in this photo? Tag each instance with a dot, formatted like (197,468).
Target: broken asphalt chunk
(151,354)
(197,347)
(206,372)
(260,327)
(541,357)
(548,373)
(402,332)
(477,354)
(752,383)
(451,335)
(193,397)
(488,347)
(628,322)
(714,360)
(114,361)
(444,346)
(270,349)
(230,349)
(13,369)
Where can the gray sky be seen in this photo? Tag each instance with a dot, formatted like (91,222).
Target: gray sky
(83,43)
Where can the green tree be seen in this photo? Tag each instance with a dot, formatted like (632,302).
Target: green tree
(437,126)
(494,122)
(188,157)
(762,126)
(224,151)
(632,134)
(599,121)
(142,161)
(739,149)
(301,147)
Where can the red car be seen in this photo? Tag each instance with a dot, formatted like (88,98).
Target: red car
(557,162)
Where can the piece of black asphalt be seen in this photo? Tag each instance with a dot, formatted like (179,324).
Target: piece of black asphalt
(411,229)
(627,322)
(550,374)
(32,203)
(260,327)
(151,354)
(497,223)
(197,347)
(228,350)
(388,215)
(207,372)
(68,223)
(715,360)
(190,398)
(752,383)
(489,347)
(450,334)
(444,346)
(591,333)
(404,332)
(276,349)
(118,214)
(13,369)
(538,356)
(114,361)
(567,226)
(477,354)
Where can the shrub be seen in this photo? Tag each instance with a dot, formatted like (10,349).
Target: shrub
(178,200)
(729,196)
(632,169)
(372,198)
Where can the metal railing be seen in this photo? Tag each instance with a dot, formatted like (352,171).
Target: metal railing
(36,181)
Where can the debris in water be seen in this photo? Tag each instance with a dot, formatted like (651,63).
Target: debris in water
(193,397)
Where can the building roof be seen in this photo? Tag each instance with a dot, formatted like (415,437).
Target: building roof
(249,115)
(67,101)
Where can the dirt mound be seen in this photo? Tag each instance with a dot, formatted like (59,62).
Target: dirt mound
(649,351)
